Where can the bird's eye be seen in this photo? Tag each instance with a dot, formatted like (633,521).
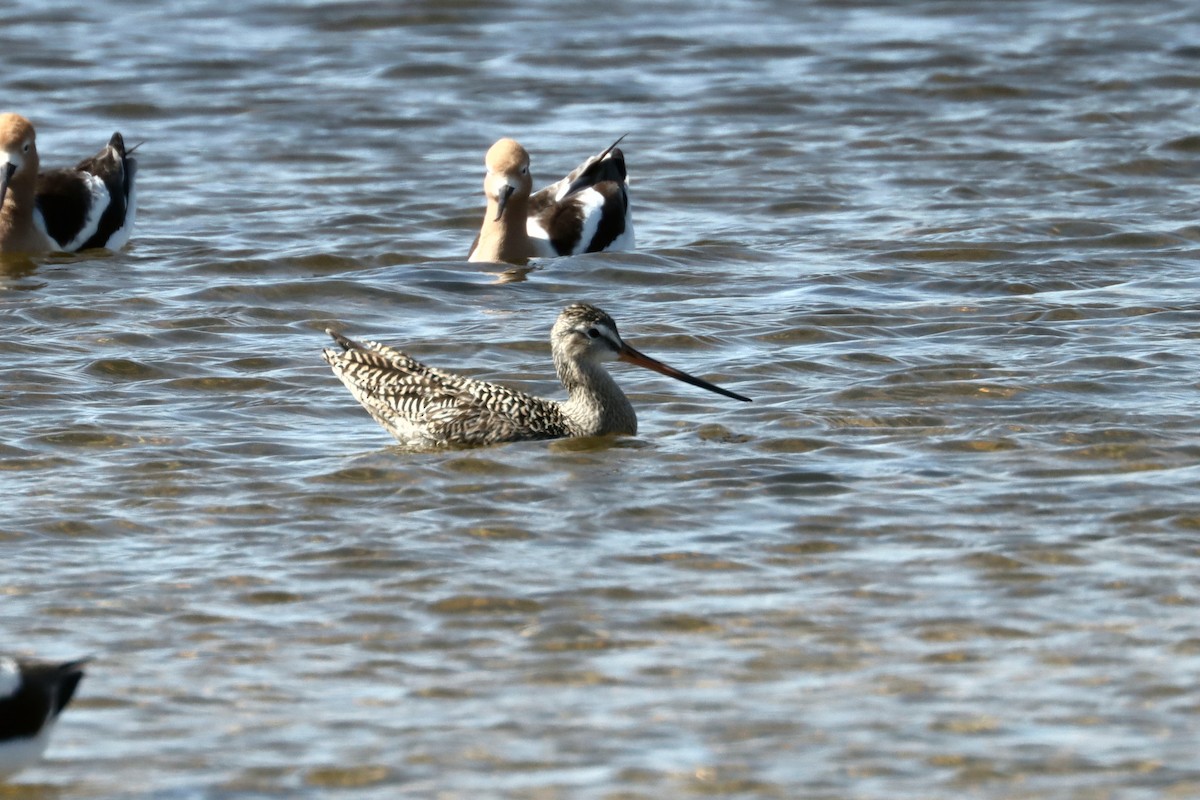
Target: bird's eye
(25,149)
(592,333)
(524,170)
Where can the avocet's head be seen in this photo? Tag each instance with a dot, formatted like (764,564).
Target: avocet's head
(18,152)
(507,174)
(584,333)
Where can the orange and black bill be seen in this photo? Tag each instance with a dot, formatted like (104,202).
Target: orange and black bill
(632,356)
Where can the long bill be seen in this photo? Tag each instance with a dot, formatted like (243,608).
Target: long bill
(6,173)
(633,356)
(506,191)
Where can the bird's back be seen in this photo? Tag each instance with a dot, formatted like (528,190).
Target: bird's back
(587,211)
(44,692)
(92,204)
(426,407)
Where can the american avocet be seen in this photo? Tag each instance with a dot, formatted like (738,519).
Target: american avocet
(585,212)
(32,695)
(90,205)
(424,407)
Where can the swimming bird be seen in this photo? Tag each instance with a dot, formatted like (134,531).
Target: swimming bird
(425,407)
(90,205)
(32,695)
(585,212)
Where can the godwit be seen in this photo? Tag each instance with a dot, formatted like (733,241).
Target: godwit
(90,205)
(425,407)
(32,695)
(585,212)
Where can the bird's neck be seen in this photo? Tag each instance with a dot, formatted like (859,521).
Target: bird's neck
(20,197)
(505,239)
(595,404)
(17,231)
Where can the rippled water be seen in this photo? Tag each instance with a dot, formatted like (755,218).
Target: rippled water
(951,549)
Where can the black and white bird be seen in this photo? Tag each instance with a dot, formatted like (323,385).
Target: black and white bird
(32,695)
(92,204)
(585,212)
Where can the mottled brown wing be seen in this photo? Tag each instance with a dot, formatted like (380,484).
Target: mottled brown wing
(420,405)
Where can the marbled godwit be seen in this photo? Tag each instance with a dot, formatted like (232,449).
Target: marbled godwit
(425,407)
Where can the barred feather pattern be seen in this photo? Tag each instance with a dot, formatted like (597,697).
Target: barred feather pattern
(426,407)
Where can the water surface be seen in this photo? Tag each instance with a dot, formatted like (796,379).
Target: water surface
(949,551)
